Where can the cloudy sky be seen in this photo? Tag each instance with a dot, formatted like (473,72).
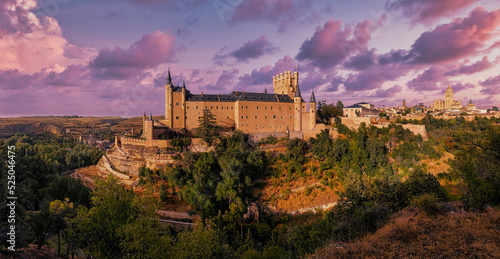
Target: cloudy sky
(110,57)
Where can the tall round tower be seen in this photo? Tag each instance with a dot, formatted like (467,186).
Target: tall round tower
(297,99)
(312,111)
(168,101)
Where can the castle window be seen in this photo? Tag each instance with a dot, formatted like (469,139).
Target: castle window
(177,103)
(280,107)
(242,116)
(222,107)
(246,117)
(231,107)
(256,116)
(257,107)
(290,117)
(271,107)
(211,107)
(246,107)
(242,107)
(289,108)
(274,116)
(196,107)
(282,116)
(217,107)
(266,107)
(176,117)
(266,117)
(228,117)
(206,107)
(227,107)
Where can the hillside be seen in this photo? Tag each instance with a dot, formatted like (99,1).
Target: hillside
(413,233)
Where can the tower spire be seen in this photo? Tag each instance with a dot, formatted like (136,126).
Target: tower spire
(265,89)
(183,84)
(313,98)
(169,78)
(297,92)
(150,116)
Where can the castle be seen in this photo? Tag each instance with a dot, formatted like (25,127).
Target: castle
(283,111)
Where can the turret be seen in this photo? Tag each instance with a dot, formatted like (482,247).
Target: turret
(297,99)
(312,111)
(168,101)
(183,107)
(149,127)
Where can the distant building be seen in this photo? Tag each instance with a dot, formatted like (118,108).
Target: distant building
(449,103)
(471,106)
(361,109)
(419,109)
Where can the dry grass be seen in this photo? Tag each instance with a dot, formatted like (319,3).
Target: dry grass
(301,192)
(412,233)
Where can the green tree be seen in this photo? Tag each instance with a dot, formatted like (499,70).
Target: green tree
(97,229)
(208,127)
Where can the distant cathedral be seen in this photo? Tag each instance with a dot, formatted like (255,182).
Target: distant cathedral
(448,103)
(281,111)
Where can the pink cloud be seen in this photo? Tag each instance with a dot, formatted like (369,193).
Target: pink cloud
(331,45)
(427,11)
(458,39)
(148,52)
(457,87)
(428,80)
(465,69)
(491,85)
(251,49)
(390,92)
(29,43)
(264,75)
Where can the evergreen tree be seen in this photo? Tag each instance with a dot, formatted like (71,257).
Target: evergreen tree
(208,127)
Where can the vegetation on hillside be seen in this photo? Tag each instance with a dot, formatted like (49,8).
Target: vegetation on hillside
(379,172)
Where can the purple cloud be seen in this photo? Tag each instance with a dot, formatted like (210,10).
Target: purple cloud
(427,11)
(428,80)
(264,75)
(362,61)
(455,40)
(252,49)
(331,45)
(479,66)
(390,92)
(148,52)
(491,85)
(73,75)
(461,86)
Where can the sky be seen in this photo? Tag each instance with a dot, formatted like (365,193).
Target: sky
(111,57)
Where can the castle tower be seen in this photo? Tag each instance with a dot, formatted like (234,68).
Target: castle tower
(448,98)
(144,124)
(404,103)
(148,127)
(312,111)
(168,101)
(183,101)
(297,99)
(286,83)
